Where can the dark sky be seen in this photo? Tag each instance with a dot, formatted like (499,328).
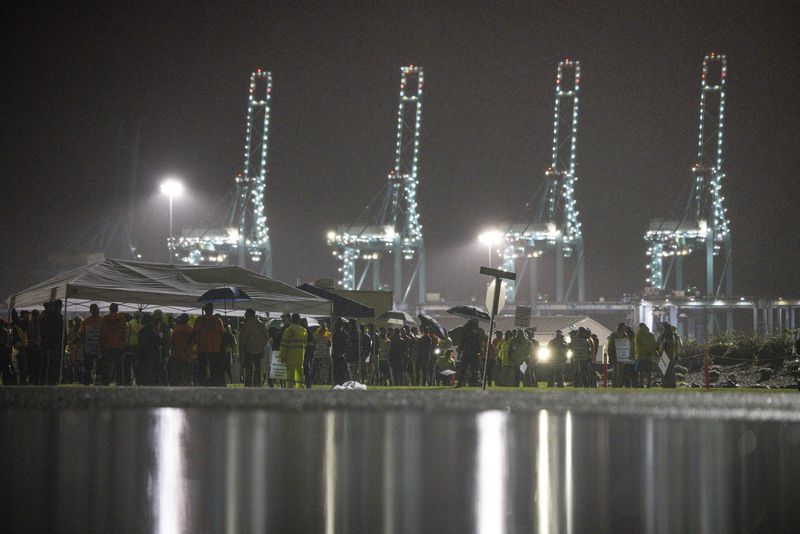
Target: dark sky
(75,73)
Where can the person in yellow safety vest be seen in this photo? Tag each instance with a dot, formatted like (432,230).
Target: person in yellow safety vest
(581,347)
(505,373)
(529,378)
(519,352)
(131,342)
(558,357)
(644,352)
(293,348)
(502,349)
(617,361)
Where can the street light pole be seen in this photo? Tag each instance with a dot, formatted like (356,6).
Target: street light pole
(491,238)
(172,188)
(495,307)
(171,235)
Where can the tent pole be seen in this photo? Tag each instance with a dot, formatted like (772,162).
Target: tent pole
(10,332)
(330,330)
(63,340)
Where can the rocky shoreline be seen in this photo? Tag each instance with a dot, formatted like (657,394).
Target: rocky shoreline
(785,375)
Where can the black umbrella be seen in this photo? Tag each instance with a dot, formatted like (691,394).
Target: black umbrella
(469,312)
(216,294)
(398,316)
(224,294)
(456,333)
(430,322)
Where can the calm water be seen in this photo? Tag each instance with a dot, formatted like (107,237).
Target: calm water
(172,470)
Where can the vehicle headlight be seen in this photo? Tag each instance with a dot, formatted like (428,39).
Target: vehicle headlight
(437,351)
(543,354)
(569,354)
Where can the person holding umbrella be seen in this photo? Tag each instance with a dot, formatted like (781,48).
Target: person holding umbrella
(395,357)
(470,351)
(208,332)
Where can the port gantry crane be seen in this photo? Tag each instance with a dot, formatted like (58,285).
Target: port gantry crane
(551,220)
(244,235)
(390,224)
(703,222)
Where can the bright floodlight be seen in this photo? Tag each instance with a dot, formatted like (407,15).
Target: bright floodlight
(491,237)
(543,354)
(172,188)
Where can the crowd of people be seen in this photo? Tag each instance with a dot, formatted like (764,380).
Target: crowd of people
(160,349)
(145,349)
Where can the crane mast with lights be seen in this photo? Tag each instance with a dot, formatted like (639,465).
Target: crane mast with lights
(244,236)
(551,218)
(390,226)
(703,223)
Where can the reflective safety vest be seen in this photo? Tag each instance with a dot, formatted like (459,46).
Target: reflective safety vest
(581,350)
(132,334)
(502,351)
(293,345)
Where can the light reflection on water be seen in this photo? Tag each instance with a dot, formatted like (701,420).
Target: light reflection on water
(173,470)
(169,500)
(329,473)
(544,520)
(491,468)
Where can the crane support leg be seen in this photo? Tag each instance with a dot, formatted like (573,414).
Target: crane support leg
(581,272)
(376,274)
(559,269)
(534,283)
(729,280)
(398,274)
(421,276)
(710,281)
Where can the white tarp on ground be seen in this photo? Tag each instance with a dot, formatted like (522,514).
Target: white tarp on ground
(170,286)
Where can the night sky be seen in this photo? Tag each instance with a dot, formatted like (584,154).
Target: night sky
(74,74)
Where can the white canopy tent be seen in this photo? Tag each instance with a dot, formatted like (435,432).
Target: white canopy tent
(177,287)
